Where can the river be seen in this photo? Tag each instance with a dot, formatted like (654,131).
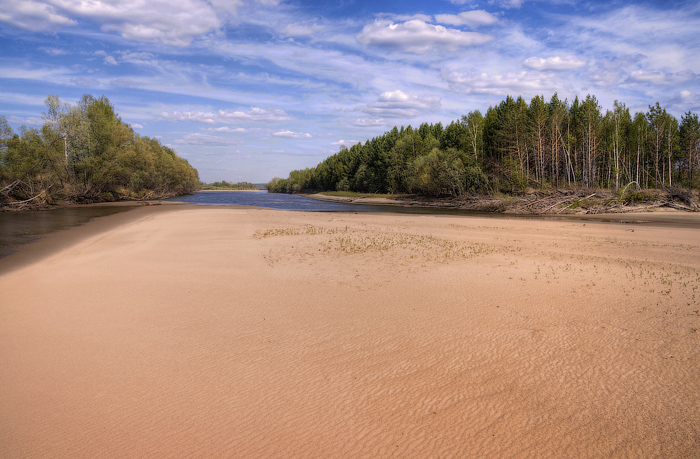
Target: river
(18,228)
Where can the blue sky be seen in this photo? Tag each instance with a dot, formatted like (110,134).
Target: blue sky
(252,89)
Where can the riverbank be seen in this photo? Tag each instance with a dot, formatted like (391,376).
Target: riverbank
(186,331)
(535,202)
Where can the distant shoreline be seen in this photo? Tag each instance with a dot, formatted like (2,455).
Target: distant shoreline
(560,203)
(209,191)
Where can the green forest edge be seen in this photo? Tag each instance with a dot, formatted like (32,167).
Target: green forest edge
(86,154)
(543,157)
(229,186)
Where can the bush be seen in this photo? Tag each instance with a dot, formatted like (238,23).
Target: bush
(637,196)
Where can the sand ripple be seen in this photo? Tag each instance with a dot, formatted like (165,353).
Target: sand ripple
(255,333)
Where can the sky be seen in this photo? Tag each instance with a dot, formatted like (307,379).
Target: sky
(247,90)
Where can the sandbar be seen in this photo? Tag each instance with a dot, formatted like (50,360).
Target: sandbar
(195,331)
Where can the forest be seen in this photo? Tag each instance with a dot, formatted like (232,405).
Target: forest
(515,146)
(229,186)
(86,153)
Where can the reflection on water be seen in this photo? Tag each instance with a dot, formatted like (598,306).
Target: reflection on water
(21,227)
(284,201)
(280,201)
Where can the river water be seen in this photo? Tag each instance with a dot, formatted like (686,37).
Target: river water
(18,228)
(21,227)
(279,201)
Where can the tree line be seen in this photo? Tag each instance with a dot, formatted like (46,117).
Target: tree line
(514,146)
(224,185)
(86,153)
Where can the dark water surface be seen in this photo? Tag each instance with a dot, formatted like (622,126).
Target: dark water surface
(18,228)
(279,201)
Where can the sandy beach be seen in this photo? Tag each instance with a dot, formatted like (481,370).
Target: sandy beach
(184,331)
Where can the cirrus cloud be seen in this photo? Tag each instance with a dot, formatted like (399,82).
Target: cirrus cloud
(521,83)
(468,18)
(205,139)
(369,122)
(53,51)
(292,135)
(646,76)
(228,129)
(255,114)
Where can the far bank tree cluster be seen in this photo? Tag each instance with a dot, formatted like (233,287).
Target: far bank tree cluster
(544,144)
(224,185)
(85,153)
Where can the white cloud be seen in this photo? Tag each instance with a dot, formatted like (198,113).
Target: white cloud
(136,58)
(606,77)
(228,129)
(174,23)
(110,60)
(200,117)
(501,3)
(23,99)
(685,101)
(508,3)
(370,122)
(55,75)
(204,139)
(646,76)
(255,114)
(121,83)
(226,7)
(398,104)
(299,30)
(513,83)
(568,62)
(468,18)
(136,126)
(417,37)
(53,51)
(346,142)
(660,35)
(37,16)
(292,135)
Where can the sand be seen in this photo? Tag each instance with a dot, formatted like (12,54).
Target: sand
(185,331)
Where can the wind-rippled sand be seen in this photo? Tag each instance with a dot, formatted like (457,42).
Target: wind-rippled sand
(233,332)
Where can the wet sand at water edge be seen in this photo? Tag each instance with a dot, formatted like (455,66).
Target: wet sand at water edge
(184,331)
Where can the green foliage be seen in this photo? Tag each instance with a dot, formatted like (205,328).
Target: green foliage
(87,154)
(224,185)
(516,146)
(635,196)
